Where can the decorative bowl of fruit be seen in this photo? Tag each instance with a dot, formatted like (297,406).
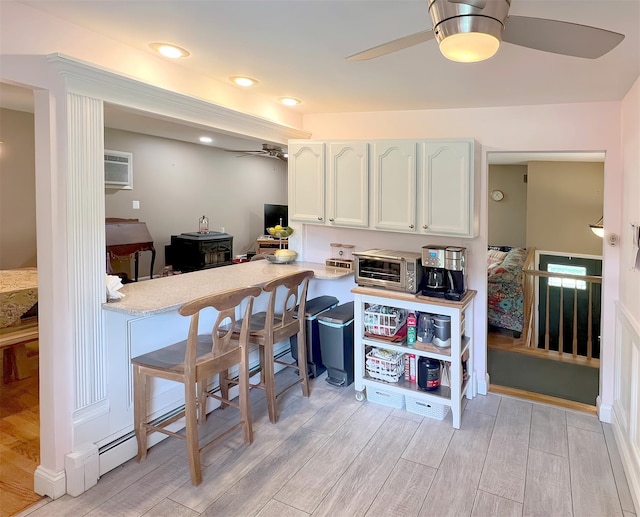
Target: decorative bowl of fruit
(282,257)
(280,232)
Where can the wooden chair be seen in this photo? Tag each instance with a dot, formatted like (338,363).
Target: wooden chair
(192,362)
(275,325)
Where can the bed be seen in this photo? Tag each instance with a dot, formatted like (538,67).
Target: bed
(505,288)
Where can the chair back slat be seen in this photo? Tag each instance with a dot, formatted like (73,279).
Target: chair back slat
(221,335)
(282,318)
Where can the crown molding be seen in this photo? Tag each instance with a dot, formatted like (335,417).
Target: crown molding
(86,79)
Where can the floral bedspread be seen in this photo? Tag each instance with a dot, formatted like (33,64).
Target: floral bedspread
(505,289)
(18,293)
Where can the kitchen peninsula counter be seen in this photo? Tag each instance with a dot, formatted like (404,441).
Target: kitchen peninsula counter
(169,293)
(147,318)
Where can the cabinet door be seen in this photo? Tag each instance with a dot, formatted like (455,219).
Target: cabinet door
(447,188)
(306,182)
(394,176)
(348,184)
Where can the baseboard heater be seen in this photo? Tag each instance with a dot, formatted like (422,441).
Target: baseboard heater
(125,447)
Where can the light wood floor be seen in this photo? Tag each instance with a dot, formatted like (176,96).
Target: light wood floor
(19,440)
(332,455)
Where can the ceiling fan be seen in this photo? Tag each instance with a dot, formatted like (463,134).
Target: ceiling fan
(271,151)
(471,30)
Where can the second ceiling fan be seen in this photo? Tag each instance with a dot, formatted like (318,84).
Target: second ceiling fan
(271,151)
(471,30)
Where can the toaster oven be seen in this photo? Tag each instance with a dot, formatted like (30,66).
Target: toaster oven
(389,269)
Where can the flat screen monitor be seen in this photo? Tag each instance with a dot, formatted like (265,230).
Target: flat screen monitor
(275,214)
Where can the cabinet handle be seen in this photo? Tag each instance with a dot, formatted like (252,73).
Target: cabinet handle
(319,218)
(331,219)
(411,226)
(424,227)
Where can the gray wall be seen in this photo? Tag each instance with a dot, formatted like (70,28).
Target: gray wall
(563,198)
(17,190)
(508,218)
(178,182)
(552,211)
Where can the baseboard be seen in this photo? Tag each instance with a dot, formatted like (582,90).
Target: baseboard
(543,399)
(483,385)
(605,411)
(630,461)
(52,484)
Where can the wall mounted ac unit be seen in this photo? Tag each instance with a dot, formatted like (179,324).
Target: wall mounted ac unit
(118,170)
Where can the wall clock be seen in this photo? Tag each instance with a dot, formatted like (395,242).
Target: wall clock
(497,195)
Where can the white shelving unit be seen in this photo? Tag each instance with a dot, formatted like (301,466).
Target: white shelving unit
(461,341)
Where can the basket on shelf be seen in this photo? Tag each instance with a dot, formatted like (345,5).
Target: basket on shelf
(385,365)
(381,320)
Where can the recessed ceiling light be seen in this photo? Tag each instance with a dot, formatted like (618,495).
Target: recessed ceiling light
(289,101)
(206,139)
(170,51)
(242,80)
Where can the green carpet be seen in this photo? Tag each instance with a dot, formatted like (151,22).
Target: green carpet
(549,377)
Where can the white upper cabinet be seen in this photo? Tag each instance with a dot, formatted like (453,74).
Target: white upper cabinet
(348,184)
(306,182)
(423,187)
(446,178)
(394,185)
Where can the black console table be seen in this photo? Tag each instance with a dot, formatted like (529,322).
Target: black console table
(194,251)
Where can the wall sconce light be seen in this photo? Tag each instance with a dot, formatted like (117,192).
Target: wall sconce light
(597,228)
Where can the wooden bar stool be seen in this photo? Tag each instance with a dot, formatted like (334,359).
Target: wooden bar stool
(275,325)
(192,362)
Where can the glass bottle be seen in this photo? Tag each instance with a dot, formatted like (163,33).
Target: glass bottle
(203,224)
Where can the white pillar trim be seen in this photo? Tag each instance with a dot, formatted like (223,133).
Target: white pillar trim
(86,247)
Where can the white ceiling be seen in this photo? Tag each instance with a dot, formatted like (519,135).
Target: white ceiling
(298,48)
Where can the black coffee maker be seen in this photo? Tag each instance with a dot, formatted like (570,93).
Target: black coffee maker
(444,272)
(434,278)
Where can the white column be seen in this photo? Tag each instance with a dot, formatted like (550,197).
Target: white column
(86,249)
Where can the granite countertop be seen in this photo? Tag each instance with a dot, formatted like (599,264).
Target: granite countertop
(171,292)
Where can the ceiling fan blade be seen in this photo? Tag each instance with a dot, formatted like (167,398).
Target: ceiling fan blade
(393,46)
(473,3)
(569,39)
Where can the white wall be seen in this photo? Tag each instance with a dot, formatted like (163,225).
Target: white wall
(626,414)
(570,127)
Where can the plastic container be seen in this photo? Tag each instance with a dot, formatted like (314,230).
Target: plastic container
(336,343)
(385,365)
(412,324)
(381,320)
(313,308)
(428,374)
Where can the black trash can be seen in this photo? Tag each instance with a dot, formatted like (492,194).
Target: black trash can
(313,308)
(336,343)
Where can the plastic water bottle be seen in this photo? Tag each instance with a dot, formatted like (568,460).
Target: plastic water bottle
(412,323)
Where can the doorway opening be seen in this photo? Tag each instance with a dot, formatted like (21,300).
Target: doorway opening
(539,324)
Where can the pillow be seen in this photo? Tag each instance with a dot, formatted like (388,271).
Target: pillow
(495,257)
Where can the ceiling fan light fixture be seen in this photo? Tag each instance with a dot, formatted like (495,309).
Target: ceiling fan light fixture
(469,47)
(469,39)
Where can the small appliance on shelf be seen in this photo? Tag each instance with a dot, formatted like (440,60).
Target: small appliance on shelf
(341,255)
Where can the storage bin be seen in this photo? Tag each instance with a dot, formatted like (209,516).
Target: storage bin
(313,308)
(381,320)
(428,409)
(385,365)
(384,397)
(336,343)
